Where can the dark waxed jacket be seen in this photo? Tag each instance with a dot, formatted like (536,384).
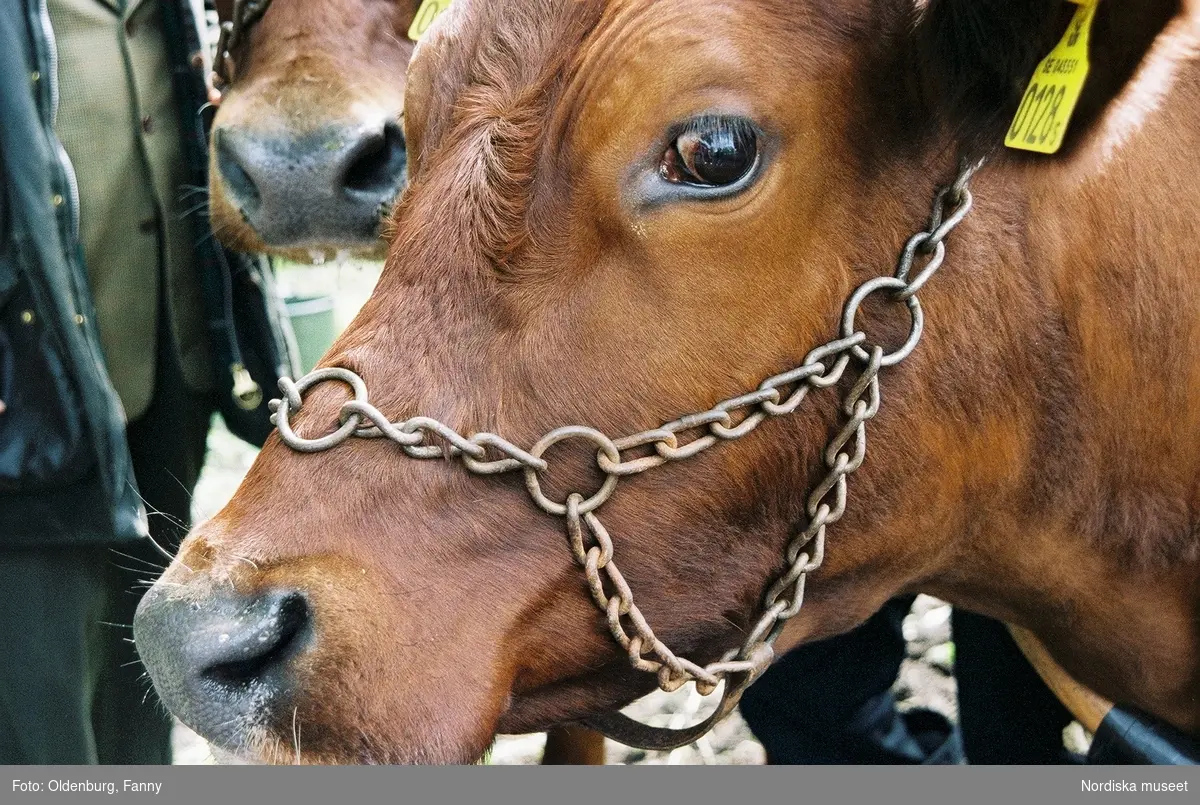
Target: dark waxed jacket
(65,471)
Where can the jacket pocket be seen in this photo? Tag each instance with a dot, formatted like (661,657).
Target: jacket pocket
(43,440)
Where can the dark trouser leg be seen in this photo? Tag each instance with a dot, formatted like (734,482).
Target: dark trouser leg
(50,633)
(167,445)
(1007,714)
(830,702)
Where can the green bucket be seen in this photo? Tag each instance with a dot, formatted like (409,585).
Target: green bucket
(312,321)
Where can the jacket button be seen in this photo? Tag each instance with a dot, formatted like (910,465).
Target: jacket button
(56,200)
(27,317)
(147,124)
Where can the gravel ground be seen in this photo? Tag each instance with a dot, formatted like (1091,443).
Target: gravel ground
(925,678)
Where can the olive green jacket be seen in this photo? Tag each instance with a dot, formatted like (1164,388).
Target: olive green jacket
(119,124)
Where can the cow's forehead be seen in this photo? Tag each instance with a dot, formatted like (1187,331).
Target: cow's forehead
(487,80)
(505,44)
(500,83)
(505,51)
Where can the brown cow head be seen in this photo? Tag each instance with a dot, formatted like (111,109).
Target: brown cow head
(621,212)
(308,150)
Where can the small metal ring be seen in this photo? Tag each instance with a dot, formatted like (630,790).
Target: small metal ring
(607,448)
(914,308)
(302,385)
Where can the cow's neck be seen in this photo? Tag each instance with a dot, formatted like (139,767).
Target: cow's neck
(1106,571)
(1059,487)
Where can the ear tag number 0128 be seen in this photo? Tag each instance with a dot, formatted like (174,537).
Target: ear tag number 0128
(1041,120)
(429,11)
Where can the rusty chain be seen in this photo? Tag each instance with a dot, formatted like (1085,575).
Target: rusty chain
(590,543)
(233,33)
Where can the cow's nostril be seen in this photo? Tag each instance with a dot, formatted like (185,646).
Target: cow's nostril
(242,189)
(265,638)
(377,162)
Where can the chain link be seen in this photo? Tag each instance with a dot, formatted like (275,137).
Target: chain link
(233,32)
(592,546)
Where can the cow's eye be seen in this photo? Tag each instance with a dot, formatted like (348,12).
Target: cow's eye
(711,152)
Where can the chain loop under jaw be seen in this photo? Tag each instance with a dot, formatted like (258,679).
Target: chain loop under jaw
(590,543)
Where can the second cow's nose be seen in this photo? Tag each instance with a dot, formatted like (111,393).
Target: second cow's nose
(301,191)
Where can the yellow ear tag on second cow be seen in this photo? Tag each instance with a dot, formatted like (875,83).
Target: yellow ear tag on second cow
(429,11)
(1041,120)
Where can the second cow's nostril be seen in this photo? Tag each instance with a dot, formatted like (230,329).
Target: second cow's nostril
(231,163)
(260,643)
(377,162)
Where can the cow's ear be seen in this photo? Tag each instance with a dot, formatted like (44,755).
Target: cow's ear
(975,58)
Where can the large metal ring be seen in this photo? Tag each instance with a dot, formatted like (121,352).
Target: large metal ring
(607,448)
(302,385)
(914,308)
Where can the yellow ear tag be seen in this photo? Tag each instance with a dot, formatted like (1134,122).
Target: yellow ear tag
(429,11)
(1041,120)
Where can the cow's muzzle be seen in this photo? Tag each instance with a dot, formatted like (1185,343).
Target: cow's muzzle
(331,186)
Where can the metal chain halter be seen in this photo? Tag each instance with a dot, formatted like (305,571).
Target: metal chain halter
(233,34)
(591,545)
